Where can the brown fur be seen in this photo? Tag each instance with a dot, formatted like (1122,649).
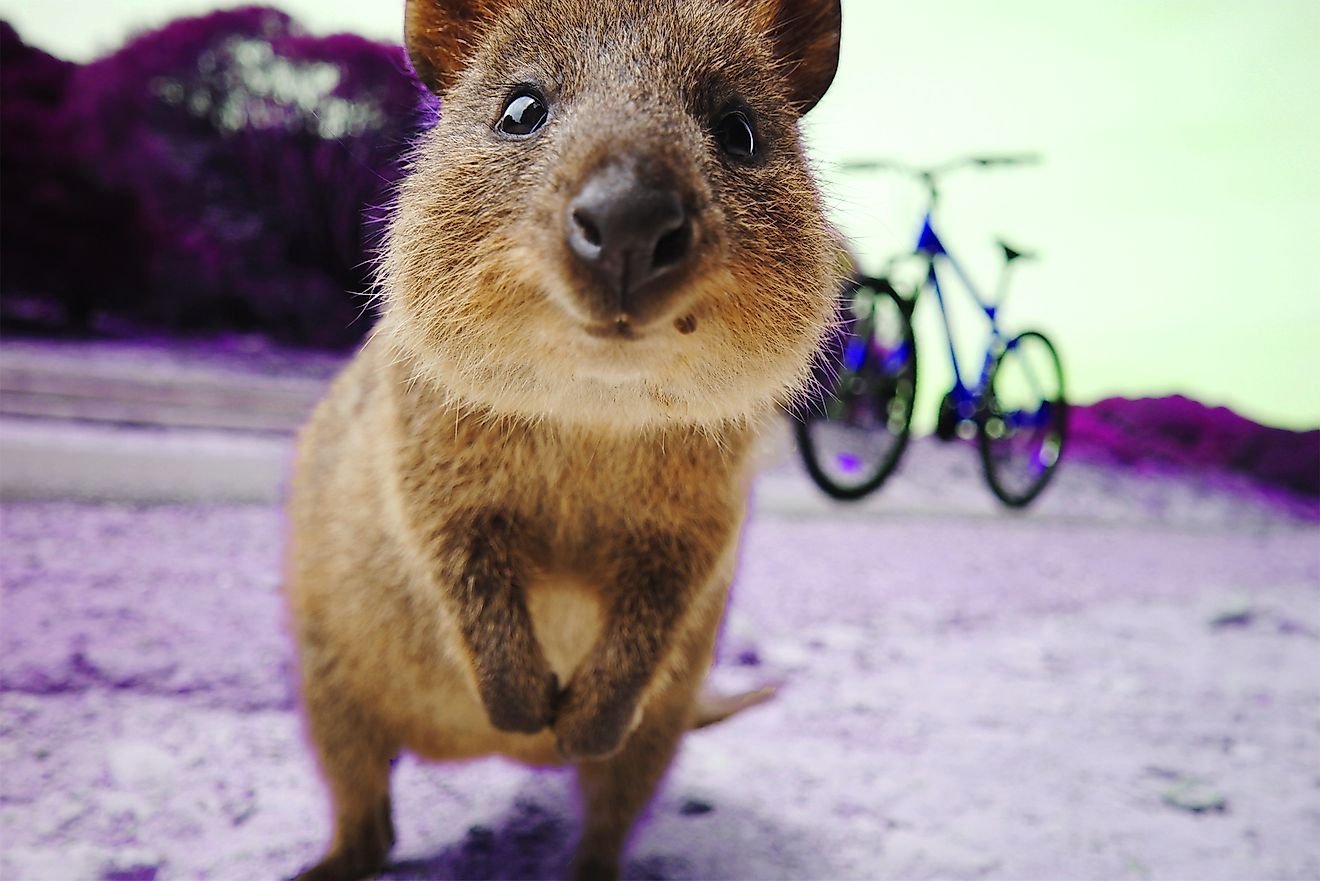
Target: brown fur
(512,535)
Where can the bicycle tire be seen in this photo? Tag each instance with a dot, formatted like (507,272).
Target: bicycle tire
(1023,422)
(868,407)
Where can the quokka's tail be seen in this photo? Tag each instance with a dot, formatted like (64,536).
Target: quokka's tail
(713,707)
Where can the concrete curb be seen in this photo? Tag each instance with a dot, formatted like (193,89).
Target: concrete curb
(154,386)
(45,459)
(54,459)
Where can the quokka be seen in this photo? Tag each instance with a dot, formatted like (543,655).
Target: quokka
(514,517)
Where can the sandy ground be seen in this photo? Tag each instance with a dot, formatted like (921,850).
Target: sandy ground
(1120,684)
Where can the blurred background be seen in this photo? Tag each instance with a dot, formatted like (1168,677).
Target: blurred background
(220,181)
(1118,682)
(1175,209)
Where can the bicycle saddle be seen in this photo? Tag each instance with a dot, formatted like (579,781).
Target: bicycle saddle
(1011,253)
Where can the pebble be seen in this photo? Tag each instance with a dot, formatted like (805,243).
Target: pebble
(1196,796)
(694,808)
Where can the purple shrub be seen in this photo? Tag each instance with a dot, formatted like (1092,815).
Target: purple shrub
(56,218)
(251,162)
(1179,432)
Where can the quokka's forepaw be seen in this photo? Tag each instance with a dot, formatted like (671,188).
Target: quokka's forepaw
(591,729)
(523,704)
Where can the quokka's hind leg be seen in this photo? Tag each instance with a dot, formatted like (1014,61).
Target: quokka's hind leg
(354,753)
(617,788)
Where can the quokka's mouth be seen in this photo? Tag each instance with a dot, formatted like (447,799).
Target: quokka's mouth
(624,327)
(620,328)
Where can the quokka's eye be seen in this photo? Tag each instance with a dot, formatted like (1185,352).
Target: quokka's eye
(737,140)
(524,113)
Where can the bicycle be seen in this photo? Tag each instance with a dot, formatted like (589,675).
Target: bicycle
(852,437)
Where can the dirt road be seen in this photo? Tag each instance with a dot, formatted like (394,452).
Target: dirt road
(1122,685)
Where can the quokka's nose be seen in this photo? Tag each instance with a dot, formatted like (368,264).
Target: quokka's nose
(628,235)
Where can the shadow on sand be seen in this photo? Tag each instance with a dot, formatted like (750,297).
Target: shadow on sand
(698,841)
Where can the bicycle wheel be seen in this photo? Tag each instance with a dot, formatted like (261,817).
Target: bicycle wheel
(1024,419)
(853,438)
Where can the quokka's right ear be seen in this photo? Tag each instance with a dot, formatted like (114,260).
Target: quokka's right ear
(441,36)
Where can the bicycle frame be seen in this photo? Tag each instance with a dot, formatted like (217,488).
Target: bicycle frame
(966,398)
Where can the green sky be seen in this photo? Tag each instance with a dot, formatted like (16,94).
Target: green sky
(1177,211)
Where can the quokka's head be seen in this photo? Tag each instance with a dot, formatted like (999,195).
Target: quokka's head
(613,222)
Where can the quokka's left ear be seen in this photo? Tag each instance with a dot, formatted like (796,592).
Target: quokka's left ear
(805,34)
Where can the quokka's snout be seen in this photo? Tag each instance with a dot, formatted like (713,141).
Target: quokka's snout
(631,234)
(638,221)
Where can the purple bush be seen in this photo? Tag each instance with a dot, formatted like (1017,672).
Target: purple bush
(223,173)
(1179,432)
(56,218)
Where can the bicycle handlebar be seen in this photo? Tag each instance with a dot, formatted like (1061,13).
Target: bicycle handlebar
(943,168)
(1019,159)
(928,175)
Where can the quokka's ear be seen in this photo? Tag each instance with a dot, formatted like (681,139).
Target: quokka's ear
(441,36)
(805,34)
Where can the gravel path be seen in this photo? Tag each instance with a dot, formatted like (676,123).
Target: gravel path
(966,695)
